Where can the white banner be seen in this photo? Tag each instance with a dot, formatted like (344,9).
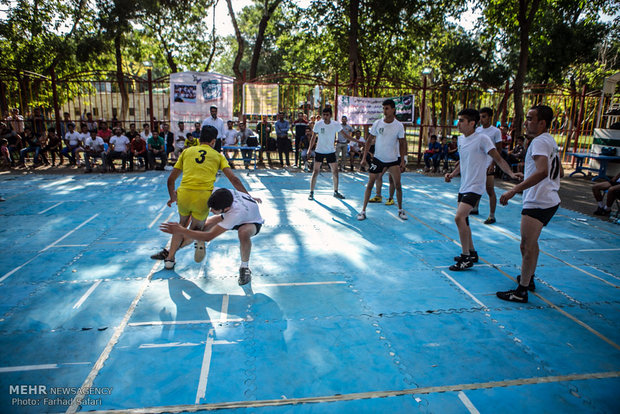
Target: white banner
(260,99)
(193,93)
(365,111)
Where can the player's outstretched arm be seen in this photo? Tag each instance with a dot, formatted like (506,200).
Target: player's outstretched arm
(176,228)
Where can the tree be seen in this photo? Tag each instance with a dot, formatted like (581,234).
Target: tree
(240,41)
(267,8)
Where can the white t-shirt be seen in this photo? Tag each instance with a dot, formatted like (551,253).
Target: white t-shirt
(145,137)
(355,146)
(243,210)
(218,123)
(120,143)
(74,138)
(231,137)
(84,137)
(386,144)
(545,193)
(326,134)
(473,152)
(496,137)
(349,130)
(94,144)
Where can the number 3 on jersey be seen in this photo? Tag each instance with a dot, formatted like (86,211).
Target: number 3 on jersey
(203,155)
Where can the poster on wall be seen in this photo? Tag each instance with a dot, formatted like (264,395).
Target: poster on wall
(365,111)
(260,99)
(193,93)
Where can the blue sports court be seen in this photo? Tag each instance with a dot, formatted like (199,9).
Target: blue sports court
(341,316)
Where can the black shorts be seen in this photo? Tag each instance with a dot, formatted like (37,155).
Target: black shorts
(469,198)
(541,214)
(377,166)
(258,226)
(330,158)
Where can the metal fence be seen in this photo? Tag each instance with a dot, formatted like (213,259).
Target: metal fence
(138,100)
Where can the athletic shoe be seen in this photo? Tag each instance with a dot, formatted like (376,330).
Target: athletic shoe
(199,251)
(376,199)
(531,287)
(161,255)
(389,202)
(245,275)
(462,264)
(338,195)
(361,216)
(473,212)
(472,257)
(513,296)
(490,220)
(402,215)
(311,196)
(169,264)
(602,212)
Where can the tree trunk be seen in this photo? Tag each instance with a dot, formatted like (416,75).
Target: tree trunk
(355,68)
(525,18)
(240,42)
(260,37)
(444,109)
(120,77)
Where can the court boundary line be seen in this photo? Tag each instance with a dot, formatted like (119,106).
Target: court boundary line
(70,233)
(364,395)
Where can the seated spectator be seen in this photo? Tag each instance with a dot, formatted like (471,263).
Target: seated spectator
(196,131)
(15,144)
(37,121)
(443,152)
(179,141)
(516,156)
(356,148)
(53,147)
(168,138)
(230,139)
(104,132)
(246,138)
(146,132)
(16,122)
(72,143)
(432,154)
(613,192)
(90,122)
(94,148)
(132,133)
(157,149)
(5,154)
(119,148)
(453,153)
(138,151)
(32,146)
(191,140)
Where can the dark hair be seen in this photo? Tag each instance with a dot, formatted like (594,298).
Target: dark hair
(208,133)
(145,125)
(470,114)
(521,137)
(133,123)
(4,141)
(220,199)
(70,124)
(544,113)
(327,109)
(189,135)
(486,110)
(51,129)
(389,102)
(433,136)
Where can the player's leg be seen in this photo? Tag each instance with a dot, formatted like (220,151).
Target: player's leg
(490,187)
(245,233)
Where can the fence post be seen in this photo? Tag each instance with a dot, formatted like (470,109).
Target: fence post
(55,101)
(150,86)
(422,120)
(580,118)
(336,99)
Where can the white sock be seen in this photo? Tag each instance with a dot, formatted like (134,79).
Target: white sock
(601,204)
(245,264)
(606,208)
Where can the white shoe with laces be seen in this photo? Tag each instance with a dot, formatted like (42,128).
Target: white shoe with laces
(361,216)
(402,215)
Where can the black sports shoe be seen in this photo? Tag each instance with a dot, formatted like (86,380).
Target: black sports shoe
(531,287)
(245,275)
(513,296)
(161,255)
(311,196)
(338,195)
(472,257)
(462,264)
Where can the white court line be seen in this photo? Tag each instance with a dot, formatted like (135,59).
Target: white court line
(49,208)
(204,371)
(86,295)
(69,233)
(28,368)
(17,268)
(169,217)
(169,345)
(598,250)
(69,245)
(224,311)
(335,282)
(189,322)
(464,290)
(467,402)
(161,211)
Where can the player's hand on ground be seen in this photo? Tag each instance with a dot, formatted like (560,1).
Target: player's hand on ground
(171,227)
(172,200)
(503,200)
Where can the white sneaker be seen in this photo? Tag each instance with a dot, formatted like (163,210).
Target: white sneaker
(402,215)
(169,264)
(199,251)
(361,216)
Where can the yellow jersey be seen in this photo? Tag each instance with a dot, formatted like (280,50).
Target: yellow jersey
(200,165)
